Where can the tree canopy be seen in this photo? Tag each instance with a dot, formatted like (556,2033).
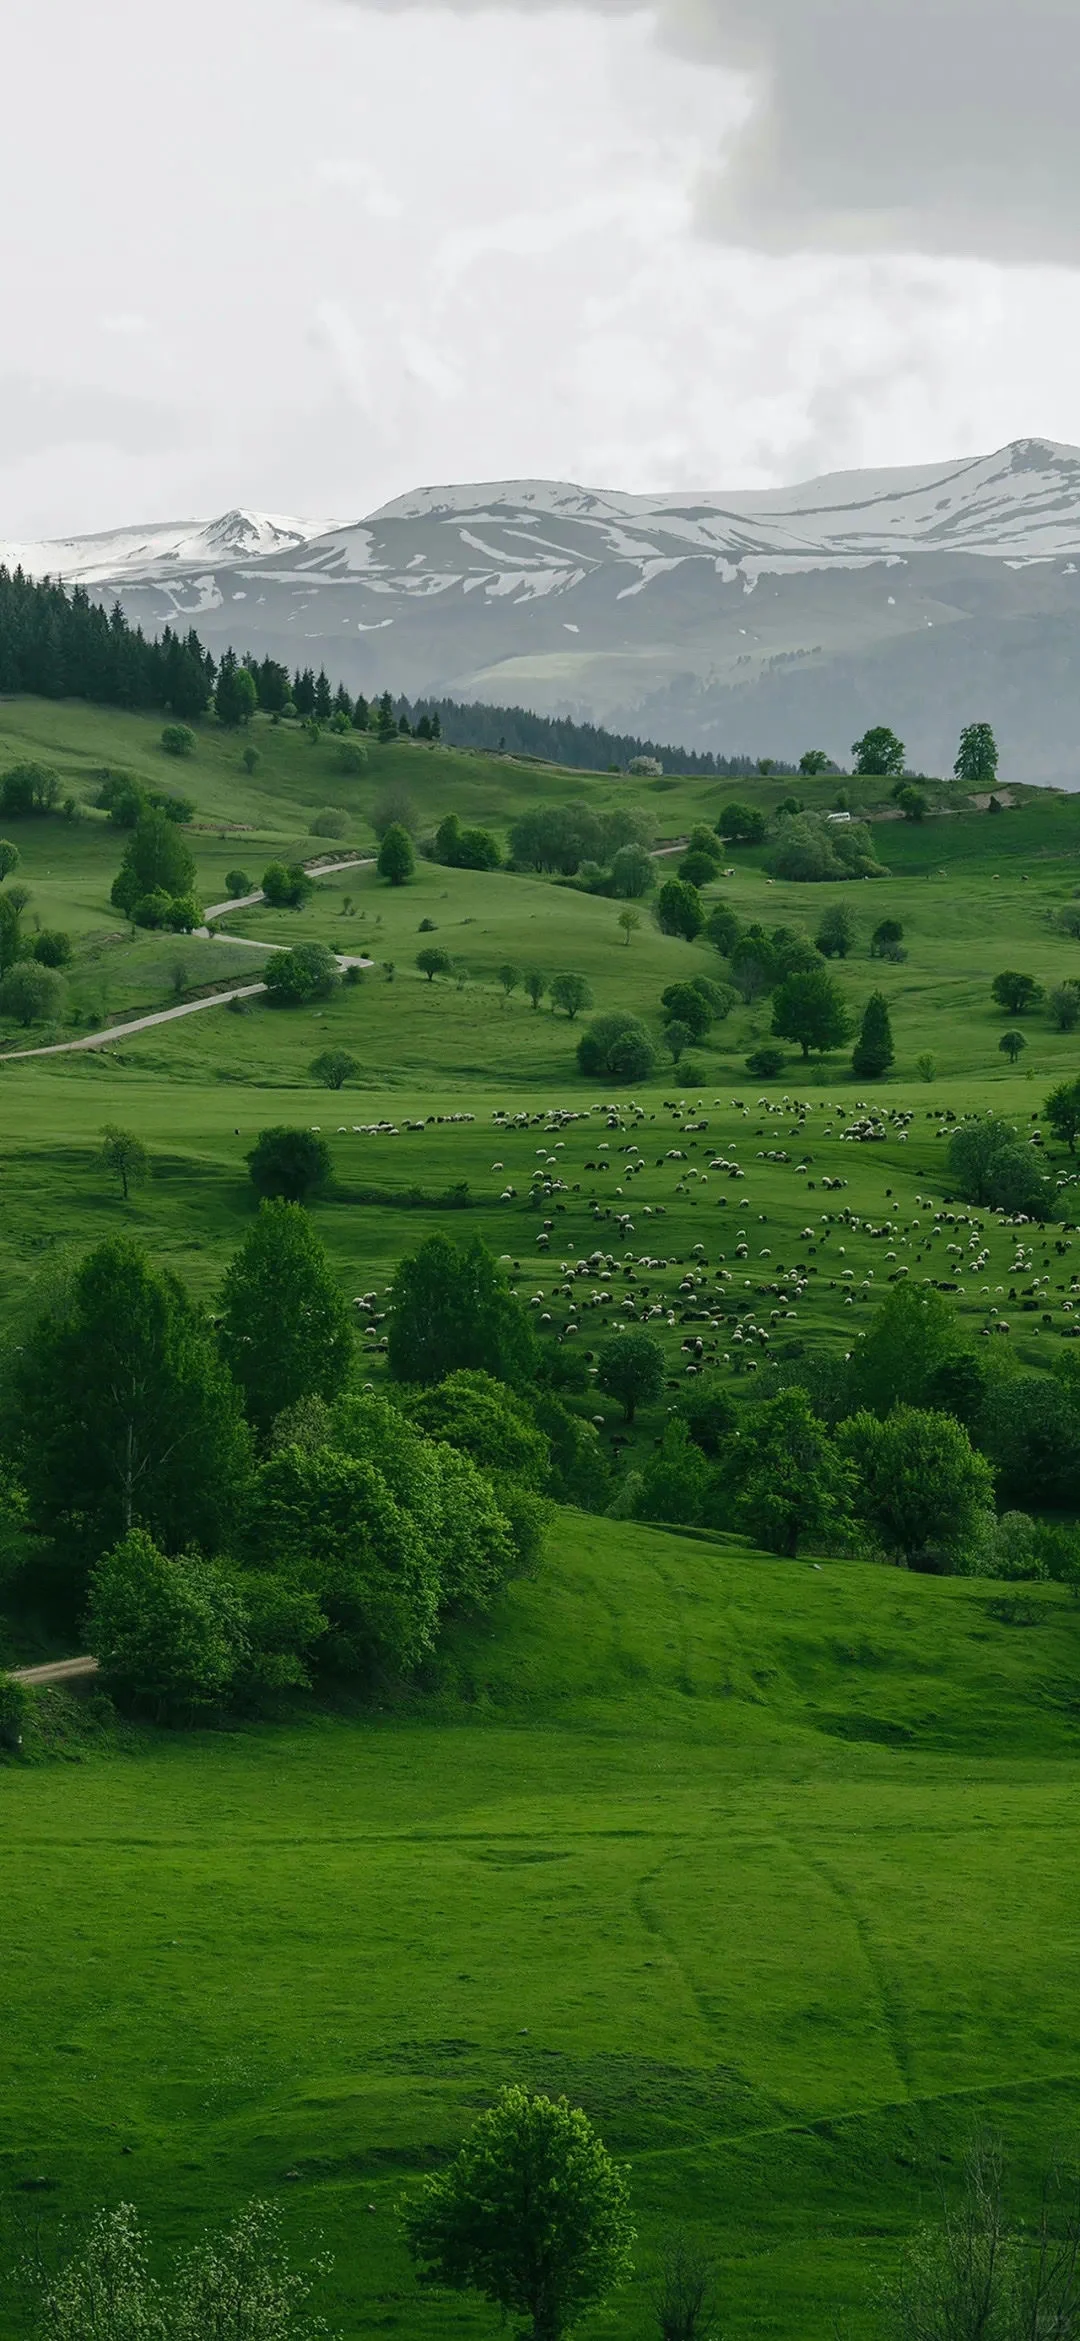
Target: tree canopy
(451,1307)
(286,1329)
(532,2213)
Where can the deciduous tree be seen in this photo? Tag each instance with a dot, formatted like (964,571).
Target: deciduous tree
(532,2213)
(286,1330)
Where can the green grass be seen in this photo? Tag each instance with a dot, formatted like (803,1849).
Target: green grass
(771,1868)
(774,1870)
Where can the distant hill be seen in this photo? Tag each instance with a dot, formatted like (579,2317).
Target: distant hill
(750,623)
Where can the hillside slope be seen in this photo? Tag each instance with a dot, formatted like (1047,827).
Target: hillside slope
(728,1849)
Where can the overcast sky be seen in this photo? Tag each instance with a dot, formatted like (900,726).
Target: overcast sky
(303,255)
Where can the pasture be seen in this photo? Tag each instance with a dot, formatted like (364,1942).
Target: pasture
(772,1869)
(770,1866)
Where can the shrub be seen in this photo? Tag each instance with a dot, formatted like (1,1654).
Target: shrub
(178,739)
(887,940)
(334,1068)
(331,823)
(237,882)
(30,993)
(287,887)
(168,1634)
(52,947)
(308,972)
(617,1047)
(291,1164)
(698,869)
(352,758)
(28,789)
(766,1063)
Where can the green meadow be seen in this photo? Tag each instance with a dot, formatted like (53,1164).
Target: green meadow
(770,1866)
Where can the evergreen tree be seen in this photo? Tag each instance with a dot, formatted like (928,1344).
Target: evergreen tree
(235,695)
(303,692)
(874,1052)
(386,721)
(324,698)
(125,1414)
(361,714)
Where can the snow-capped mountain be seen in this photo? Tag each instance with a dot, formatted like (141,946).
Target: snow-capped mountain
(764,620)
(167,548)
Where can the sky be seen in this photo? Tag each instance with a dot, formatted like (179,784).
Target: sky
(305,255)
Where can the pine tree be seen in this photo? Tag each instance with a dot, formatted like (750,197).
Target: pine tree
(874,1052)
(324,701)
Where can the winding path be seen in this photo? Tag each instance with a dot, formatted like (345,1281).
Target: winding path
(101,1040)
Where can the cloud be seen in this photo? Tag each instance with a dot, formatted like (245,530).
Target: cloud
(36,415)
(930,126)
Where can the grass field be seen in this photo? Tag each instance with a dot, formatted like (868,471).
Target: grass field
(771,1868)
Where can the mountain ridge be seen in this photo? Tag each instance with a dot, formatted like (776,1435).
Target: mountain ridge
(761,620)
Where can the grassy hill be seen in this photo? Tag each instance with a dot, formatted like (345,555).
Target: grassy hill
(771,1868)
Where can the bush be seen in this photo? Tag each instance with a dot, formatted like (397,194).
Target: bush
(169,1635)
(334,1068)
(352,758)
(698,869)
(29,789)
(291,1164)
(15,1703)
(52,947)
(30,993)
(766,1063)
(287,887)
(178,739)
(293,978)
(237,882)
(616,1047)
(331,823)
